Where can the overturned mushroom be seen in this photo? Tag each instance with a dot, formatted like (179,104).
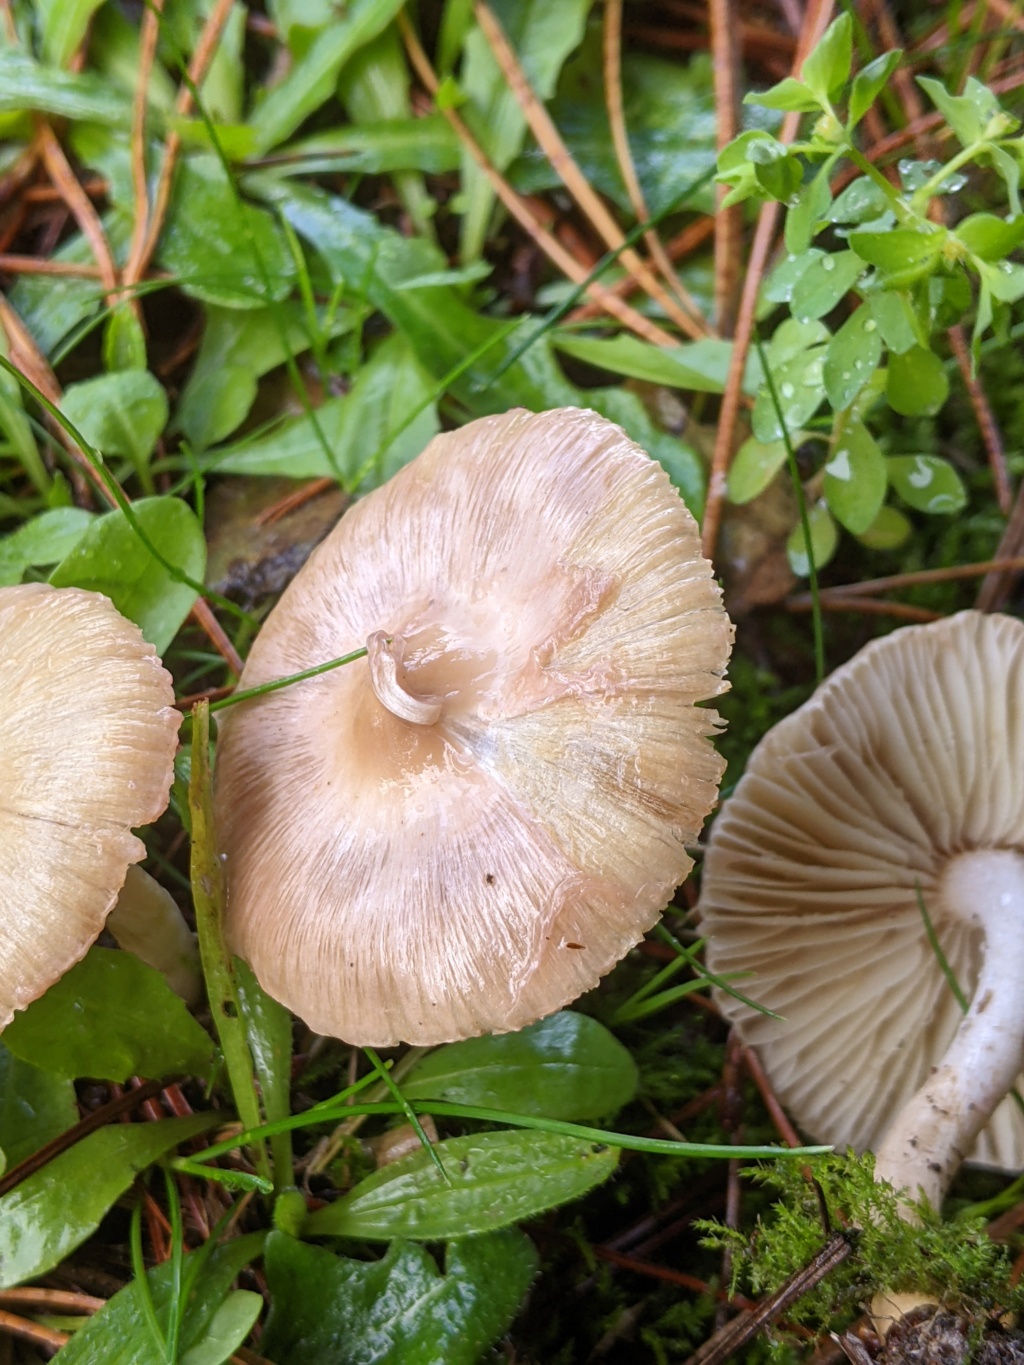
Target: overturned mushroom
(465,830)
(904,773)
(87,746)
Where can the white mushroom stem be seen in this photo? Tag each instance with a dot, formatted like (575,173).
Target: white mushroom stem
(384,655)
(937,1128)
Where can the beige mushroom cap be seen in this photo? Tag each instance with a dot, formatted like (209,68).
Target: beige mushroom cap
(87,744)
(909,755)
(464,831)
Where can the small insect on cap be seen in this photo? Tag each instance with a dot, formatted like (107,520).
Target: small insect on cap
(87,743)
(464,831)
(901,781)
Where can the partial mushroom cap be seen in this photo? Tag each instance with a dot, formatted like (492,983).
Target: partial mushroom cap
(908,756)
(464,831)
(87,741)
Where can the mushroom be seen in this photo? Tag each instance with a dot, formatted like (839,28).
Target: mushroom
(468,828)
(902,776)
(87,745)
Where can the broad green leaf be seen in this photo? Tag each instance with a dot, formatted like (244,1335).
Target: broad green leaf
(827,68)
(967,114)
(35,1106)
(927,483)
(754,467)
(889,530)
(495,1178)
(824,283)
(63,25)
(861,202)
(700,366)
(800,390)
(806,216)
(120,414)
(1005,281)
(55,1209)
(788,94)
(566,1067)
(542,35)
(916,383)
(793,337)
(869,83)
(779,284)
(236,350)
(852,357)
(824,538)
(297,21)
(901,252)
(268,1029)
(397,1310)
(110,558)
(313,79)
(362,438)
(43,540)
(396,144)
(110,1016)
(897,321)
(230,1325)
(120,1334)
(777,169)
(51,314)
(855,478)
(990,237)
(124,341)
(221,249)
(26,85)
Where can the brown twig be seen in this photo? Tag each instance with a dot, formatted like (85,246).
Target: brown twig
(26,1330)
(867,606)
(759,254)
(725,57)
(215,633)
(33,265)
(893,582)
(519,210)
(754,1069)
(51,1300)
(612,35)
(692,236)
(59,170)
(986,420)
(553,146)
(148,38)
(663,1272)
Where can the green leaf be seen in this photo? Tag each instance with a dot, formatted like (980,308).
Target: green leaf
(754,467)
(852,357)
(824,283)
(542,35)
(221,249)
(236,350)
(700,366)
(897,321)
(916,383)
(855,478)
(395,144)
(777,169)
(827,68)
(25,85)
(63,25)
(566,1067)
(496,1179)
(927,483)
(1008,168)
(1005,281)
(228,1329)
(313,79)
(792,338)
(43,540)
(806,217)
(268,1029)
(110,558)
(967,114)
(800,389)
(399,1309)
(110,1016)
(120,414)
(57,1208)
(35,1106)
(990,237)
(778,286)
(361,437)
(889,530)
(120,1333)
(902,252)
(861,202)
(788,94)
(824,538)
(869,83)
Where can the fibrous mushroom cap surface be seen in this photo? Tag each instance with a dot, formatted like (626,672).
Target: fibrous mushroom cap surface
(534,595)
(87,743)
(910,754)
